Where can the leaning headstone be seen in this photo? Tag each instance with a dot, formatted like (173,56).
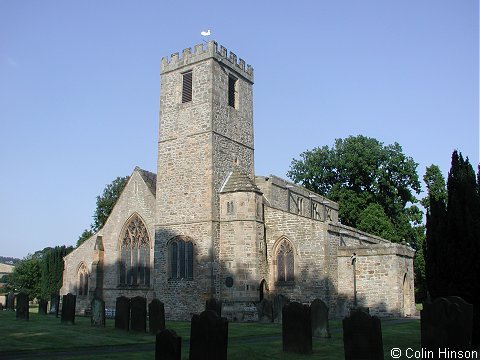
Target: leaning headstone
(297,328)
(69,303)
(168,345)
(265,311)
(214,305)
(156,316)
(138,314)
(122,313)
(320,326)
(22,306)
(362,337)
(208,337)
(11,301)
(98,312)
(446,323)
(42,307)
(54,304)
(279,301)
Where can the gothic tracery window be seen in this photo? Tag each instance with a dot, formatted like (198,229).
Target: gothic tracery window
(82,280)
(135,254)
(285,261)
(181,259)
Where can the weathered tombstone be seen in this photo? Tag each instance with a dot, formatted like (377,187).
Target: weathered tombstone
(42,307)
(54,304)
(320,326)
(122,313)
(22,306)
(362,337)
(297,328)
(446,323)
(168,346)
(69,303)
(265,311)
(138,314)
(156,316)
(279,301)
(214,305)
(208,337)
(11,301)
(98,312)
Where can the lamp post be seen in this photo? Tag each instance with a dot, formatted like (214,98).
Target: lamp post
(353,258)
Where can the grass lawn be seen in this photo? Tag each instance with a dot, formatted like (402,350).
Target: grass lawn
(43,336)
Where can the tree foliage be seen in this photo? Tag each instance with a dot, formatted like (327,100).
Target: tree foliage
(105,205)
(363,175)
(107,201)
(26,277)
(52,270)
(452,246)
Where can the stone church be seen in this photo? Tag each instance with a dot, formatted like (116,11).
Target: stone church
(204,225)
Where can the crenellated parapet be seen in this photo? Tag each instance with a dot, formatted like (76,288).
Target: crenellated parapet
(204,51)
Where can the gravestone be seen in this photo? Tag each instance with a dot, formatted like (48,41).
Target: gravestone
(297,328)
(69,303)
(208,337)
(156,316)
(214,305)
(320,326)
(279,301)
(98,312)
(11,301)
(138,314)
(362,337)
(122,313)
(54,304)
(265,311)
(22,306)
(446,323)
(42,307)
(168,346)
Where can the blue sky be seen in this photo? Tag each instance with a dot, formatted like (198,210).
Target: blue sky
(79,90)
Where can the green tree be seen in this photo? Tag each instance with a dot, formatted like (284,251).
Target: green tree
(107,201)
(85,235)
(26,277)
(105,205)
(435,183)
(359,172)
(452,247)
(52,270)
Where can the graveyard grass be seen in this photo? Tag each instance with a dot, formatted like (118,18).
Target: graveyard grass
(44,334)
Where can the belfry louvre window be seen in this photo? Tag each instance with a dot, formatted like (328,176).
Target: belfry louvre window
(135,254)
(181,259)
(232,84)
(187,87)
(285,262)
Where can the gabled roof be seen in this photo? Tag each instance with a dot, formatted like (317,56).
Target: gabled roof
(238,181)
(149,178)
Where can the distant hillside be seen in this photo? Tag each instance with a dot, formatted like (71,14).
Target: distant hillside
(8,260)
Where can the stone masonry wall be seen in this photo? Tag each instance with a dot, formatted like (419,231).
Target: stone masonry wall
(135,198)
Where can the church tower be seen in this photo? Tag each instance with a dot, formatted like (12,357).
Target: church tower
(206,131)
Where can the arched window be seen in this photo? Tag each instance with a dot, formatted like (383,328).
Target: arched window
(181,259)
(82,280)
(285,261)
(135,253)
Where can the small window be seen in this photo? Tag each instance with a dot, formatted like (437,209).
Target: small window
(187,87)
(285,262)
(299,205)
(181,259)
(83,280)
(232,84)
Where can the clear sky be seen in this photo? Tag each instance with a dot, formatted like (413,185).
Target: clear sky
(79,90)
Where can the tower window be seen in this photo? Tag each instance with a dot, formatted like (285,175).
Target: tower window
(232,84)
(187,87)
(181,259)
